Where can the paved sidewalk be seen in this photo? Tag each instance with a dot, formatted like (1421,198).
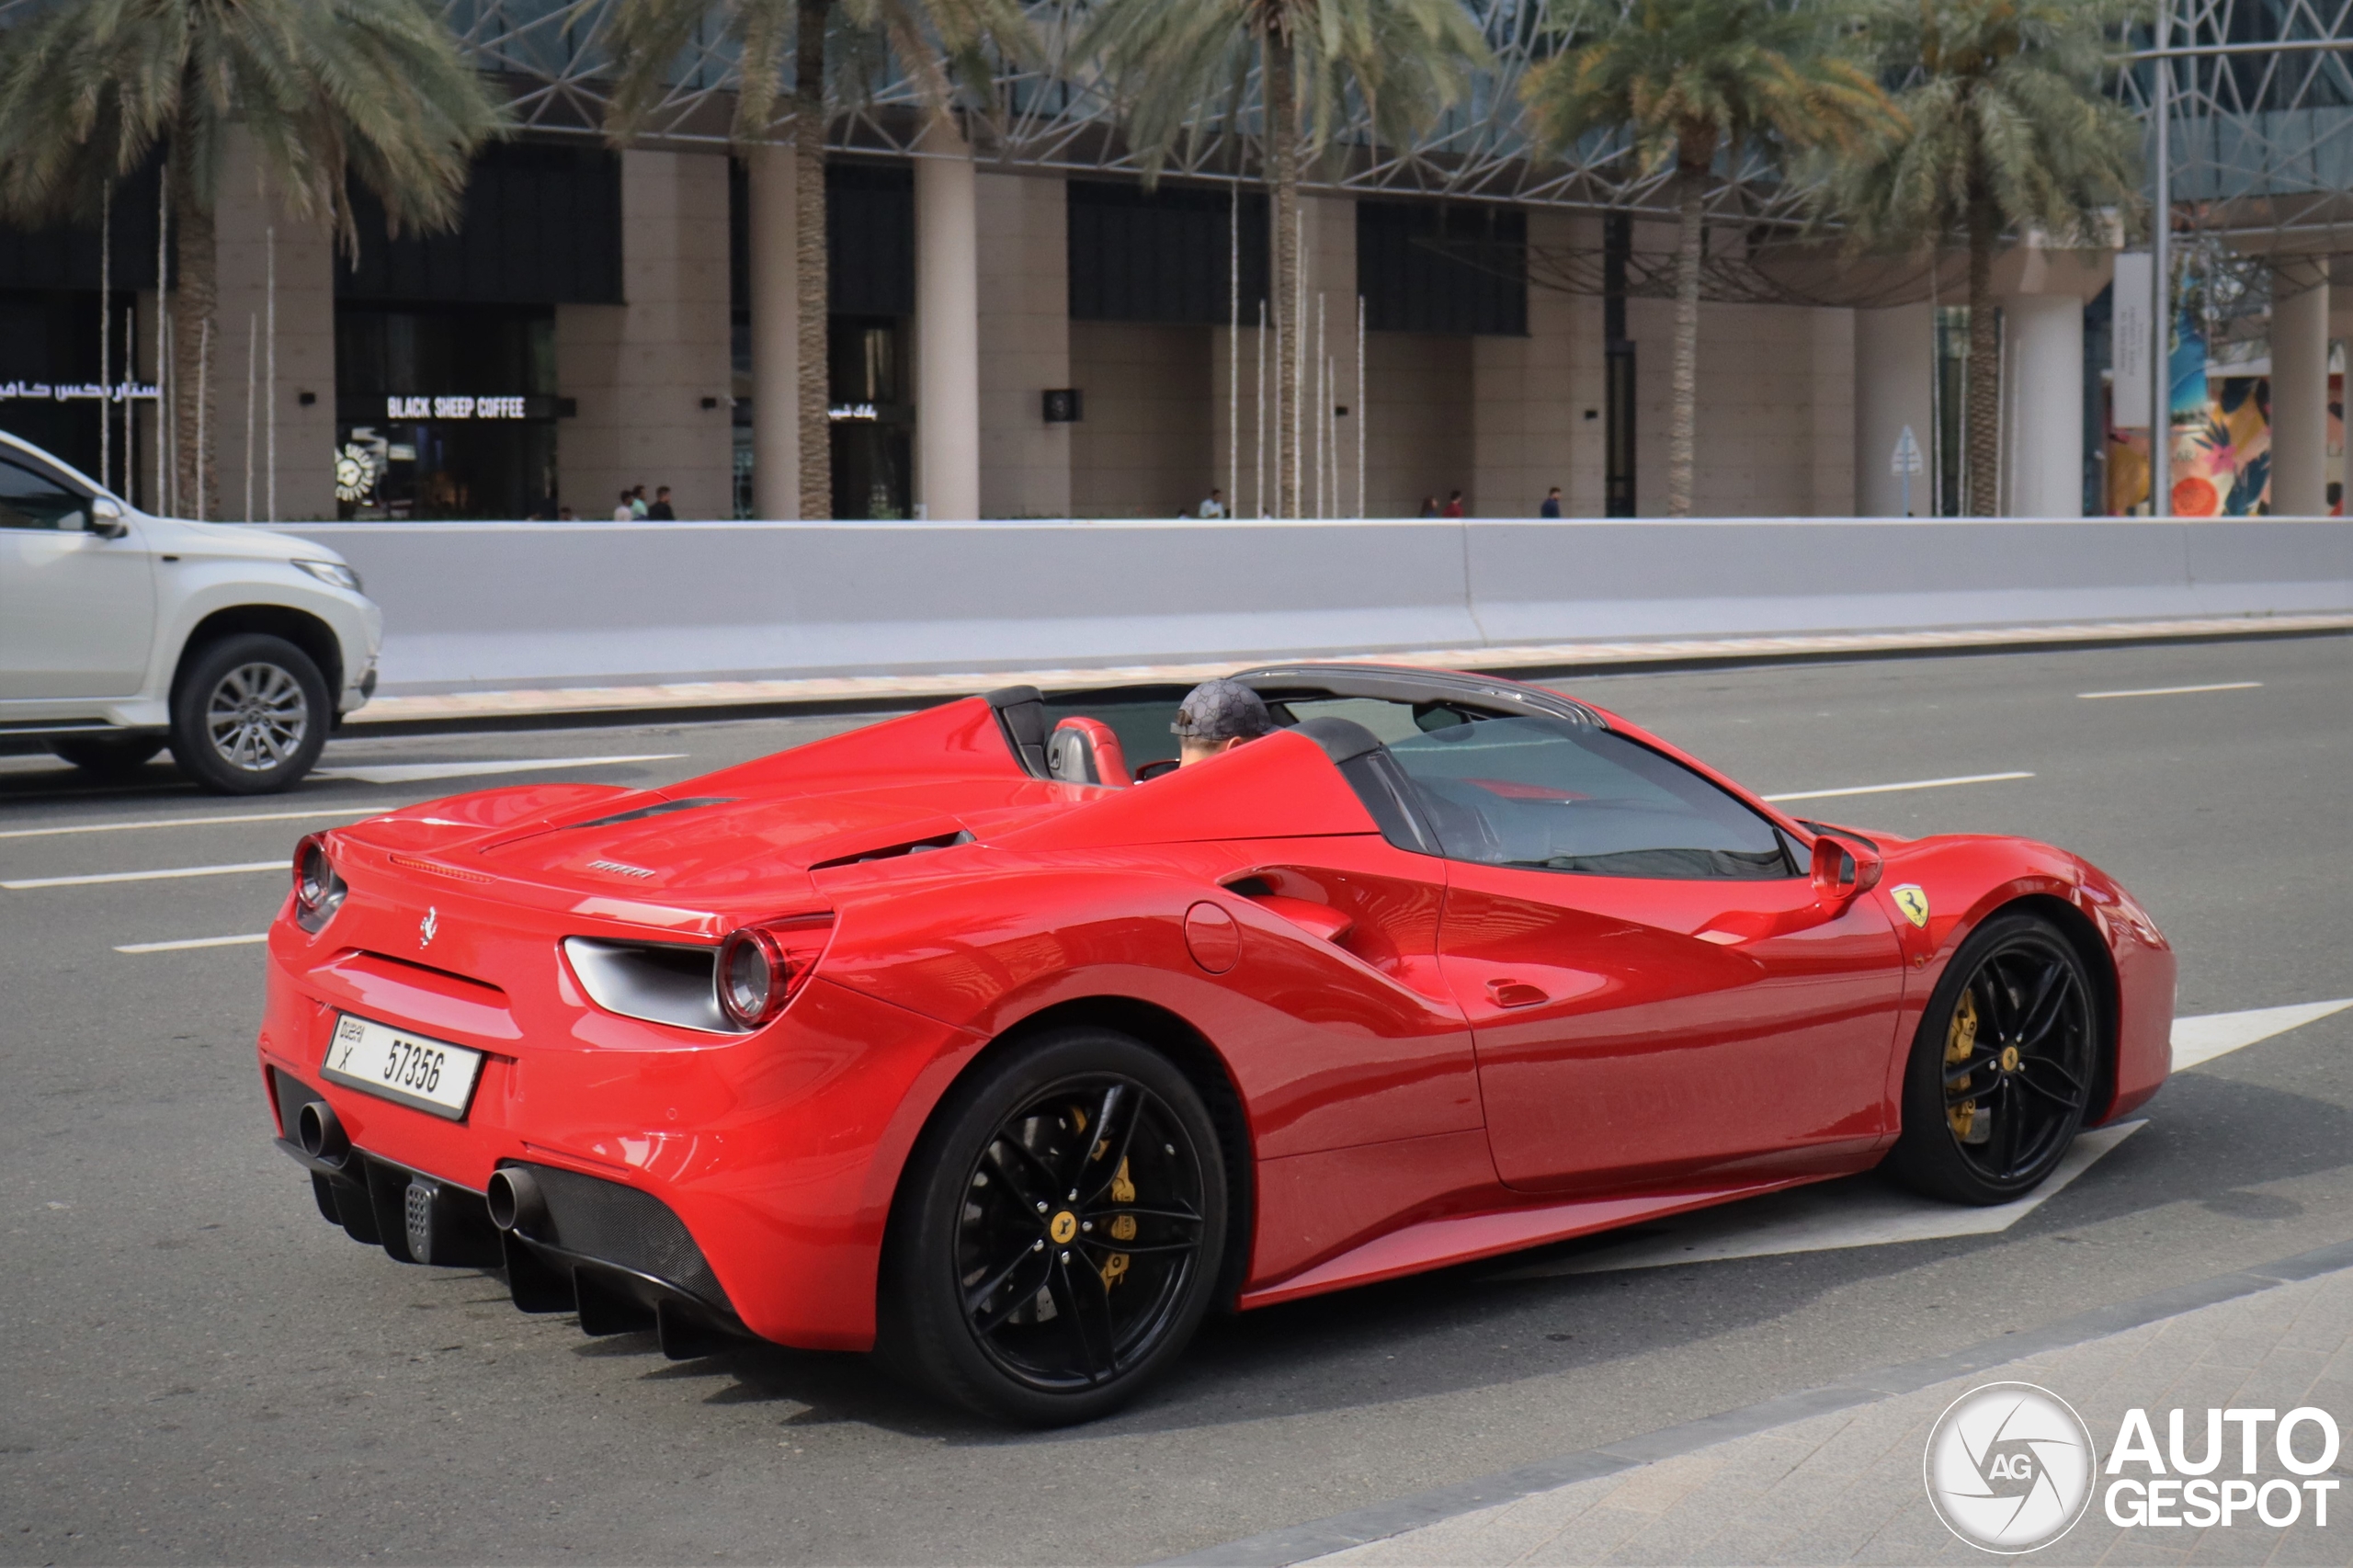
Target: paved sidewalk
(884,690)
(1845,1487)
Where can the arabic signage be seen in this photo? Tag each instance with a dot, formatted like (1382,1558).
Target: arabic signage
(96,392)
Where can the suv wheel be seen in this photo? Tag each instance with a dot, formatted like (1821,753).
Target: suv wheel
(250,715)
(107,757)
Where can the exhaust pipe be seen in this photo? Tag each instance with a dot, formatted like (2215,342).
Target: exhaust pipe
(515,1200)
(320,1132)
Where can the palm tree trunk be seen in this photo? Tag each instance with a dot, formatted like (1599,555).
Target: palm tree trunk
(813,302)
(1683,425)
(1982,406)
(196,261)
(1282,179)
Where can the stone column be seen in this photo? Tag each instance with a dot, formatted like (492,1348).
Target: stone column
(1529,394)
(643,372)
(948,349)
(2044,421)
(1024,259)
(775,335)
(1831,402)
(1894,387)
(244,217)
(2300,394)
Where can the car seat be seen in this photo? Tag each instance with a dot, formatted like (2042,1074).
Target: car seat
(1084,751)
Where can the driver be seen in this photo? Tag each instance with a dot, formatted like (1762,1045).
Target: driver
(1217,716)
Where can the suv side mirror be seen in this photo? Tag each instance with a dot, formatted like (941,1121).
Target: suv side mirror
(106,520)
(1842,869)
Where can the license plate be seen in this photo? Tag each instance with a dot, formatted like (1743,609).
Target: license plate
(431,1075)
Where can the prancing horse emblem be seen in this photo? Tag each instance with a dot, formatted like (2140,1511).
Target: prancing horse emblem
(427,926)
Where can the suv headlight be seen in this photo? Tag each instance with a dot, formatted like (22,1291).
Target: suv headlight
(334,571)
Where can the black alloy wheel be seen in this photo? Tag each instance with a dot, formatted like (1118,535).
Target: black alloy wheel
(2003,1068)
(1061,1242)
(250,715)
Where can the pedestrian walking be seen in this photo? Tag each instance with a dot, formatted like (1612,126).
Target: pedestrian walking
(1429,507)
(1551,508)
(1215,505)
(624,513)
(662,511)
(1453,504)
(637,506)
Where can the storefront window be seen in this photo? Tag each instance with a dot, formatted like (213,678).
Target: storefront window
(444,410)
(873,419)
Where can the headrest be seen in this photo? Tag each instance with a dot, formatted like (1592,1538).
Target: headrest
(1084,751)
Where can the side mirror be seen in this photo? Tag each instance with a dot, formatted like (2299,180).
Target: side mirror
(1842,868)
(106,520)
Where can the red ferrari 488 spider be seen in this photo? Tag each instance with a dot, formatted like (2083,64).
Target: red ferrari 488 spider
(983,1037)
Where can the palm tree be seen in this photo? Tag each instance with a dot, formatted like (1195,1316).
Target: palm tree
(2007,131)
(1403,60)
(1686,79)
(327,90)
(929,39)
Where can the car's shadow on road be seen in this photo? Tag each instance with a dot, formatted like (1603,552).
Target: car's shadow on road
(1466,1328)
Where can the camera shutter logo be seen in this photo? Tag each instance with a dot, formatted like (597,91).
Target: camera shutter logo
(2011,1467)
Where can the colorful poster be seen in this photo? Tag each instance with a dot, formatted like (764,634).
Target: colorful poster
(2221,460)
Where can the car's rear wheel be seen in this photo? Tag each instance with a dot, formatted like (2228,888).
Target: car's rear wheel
(1060,1233)
(2001,1073)
(107,757)
(250,715)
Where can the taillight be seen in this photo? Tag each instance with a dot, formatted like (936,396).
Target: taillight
(762,967)
(318,889)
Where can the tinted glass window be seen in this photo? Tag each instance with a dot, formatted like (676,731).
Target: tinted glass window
(30,500)
(1554,795)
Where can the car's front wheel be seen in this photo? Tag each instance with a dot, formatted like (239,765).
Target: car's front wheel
(1059,1236)
(2002,1070)
(250,715)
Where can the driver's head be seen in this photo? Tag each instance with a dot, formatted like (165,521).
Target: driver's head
(1218,715)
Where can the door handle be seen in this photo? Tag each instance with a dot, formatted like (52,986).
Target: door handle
(1515,993)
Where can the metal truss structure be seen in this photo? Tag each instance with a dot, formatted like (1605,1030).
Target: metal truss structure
(2260,120)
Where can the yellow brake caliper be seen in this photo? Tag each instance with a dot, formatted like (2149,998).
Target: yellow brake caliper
(1961,1044)
(1123,1226)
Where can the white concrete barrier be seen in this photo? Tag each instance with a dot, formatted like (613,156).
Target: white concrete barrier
(491,606)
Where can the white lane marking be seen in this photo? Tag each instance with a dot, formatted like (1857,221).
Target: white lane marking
(2173,690)
(1892,789)
(418,772)
(192,942)
(1856,1211)
(187,822)
(2197,1042)
(283,863)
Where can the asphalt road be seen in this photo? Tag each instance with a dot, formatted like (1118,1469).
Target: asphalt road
(197,1368)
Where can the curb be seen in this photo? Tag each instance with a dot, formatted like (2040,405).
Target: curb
(1297,1543)
(717,700)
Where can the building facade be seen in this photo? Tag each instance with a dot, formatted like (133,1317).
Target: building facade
(1019,329)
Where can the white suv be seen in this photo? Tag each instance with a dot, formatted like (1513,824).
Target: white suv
(122,633)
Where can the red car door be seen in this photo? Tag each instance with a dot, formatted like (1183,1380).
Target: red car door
(1655,995)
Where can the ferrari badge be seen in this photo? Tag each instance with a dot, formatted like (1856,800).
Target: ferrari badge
(1913,902)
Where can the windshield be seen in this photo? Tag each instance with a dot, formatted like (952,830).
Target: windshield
(1553,796)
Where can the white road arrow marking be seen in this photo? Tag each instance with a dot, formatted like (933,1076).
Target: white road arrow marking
(418,772)
(1855,1211)
(2199,1041)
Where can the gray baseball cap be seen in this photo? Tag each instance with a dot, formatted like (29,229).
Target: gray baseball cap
(1221,710)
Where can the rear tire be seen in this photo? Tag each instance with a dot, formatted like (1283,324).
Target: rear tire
(250,715)
(2002,1070)
(1059,1234)
(107,757)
